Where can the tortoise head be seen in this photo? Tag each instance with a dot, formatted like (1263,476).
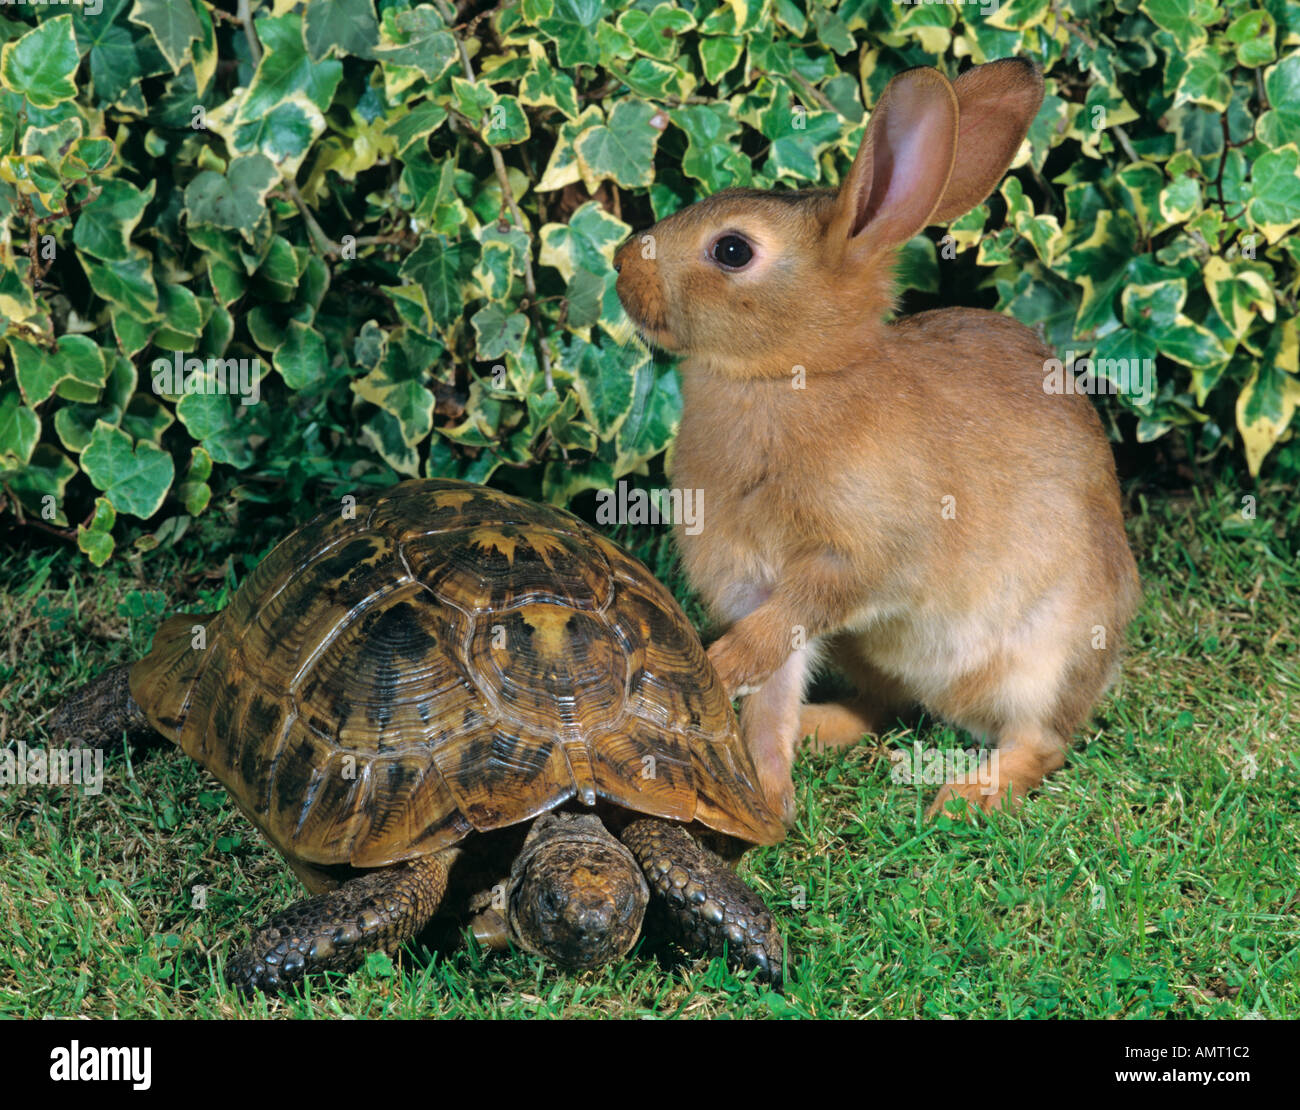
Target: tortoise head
(576,896)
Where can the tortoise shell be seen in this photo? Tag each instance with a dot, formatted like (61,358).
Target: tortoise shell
(443,660)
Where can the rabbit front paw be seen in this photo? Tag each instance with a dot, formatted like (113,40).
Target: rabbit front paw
(741,662)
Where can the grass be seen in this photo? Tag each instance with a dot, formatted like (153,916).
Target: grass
(1156,875)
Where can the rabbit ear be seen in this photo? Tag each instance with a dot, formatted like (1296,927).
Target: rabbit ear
(904,163)
(998,103)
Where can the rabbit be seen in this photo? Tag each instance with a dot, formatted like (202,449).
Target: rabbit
(904,499)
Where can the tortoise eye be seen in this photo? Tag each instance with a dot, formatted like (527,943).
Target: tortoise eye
(732,252)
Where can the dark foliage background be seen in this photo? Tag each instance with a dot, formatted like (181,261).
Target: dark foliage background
(406,213)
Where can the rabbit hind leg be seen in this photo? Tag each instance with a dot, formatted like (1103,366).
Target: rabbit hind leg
(1031,703)
(880,700)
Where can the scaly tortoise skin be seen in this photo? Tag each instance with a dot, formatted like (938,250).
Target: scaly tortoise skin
(449,687)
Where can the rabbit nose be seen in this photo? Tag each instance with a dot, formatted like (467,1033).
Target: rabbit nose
(618,266)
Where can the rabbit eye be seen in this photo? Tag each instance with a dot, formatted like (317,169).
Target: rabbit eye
(732,252)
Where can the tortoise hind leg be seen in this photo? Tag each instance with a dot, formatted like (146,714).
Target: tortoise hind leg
(375,912)
(99,712)
(708,906)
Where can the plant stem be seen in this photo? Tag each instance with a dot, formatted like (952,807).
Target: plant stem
(246,18)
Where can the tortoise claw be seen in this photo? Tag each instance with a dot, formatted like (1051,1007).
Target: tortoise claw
(707,905)
(379,911)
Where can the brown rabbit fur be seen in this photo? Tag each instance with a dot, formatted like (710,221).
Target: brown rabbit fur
(904,497)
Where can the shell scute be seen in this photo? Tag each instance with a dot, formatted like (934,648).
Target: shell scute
(493,568)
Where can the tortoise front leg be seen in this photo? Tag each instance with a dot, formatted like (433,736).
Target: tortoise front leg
(708,905)
(376,912)
(99,712)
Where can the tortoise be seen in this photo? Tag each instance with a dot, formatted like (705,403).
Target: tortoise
(443,697)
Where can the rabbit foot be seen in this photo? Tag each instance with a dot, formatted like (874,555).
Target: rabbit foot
(975,797)
(1016,771)
(740,663)
(775,780)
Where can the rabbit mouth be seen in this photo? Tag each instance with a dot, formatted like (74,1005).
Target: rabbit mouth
(654,334)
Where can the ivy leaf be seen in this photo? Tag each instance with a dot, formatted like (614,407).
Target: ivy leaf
(135,480)
(417,38)
(340,26)
(656,32)
(195,493)
(416,125)
(1269,399)
(75,423)
(605,381)
(653,420)
(584,296)
(1097,265)
(1252,34)
(543,87)
(236,200)
(711,156)
(1241,293)
(659,80)
(104,226)
(443,268)
(286,68)
(1201,77)
(1280,125)
(42,63)
(116,65)
(718,55)
(834,35)
(284,134)
(214,419)
(46,475)
(76,369)
(503,256)
(1185,20)
(1039,299)
(173,25)
(1043,232)
(96,539)
(798,139)
(397,387)
(1128,358)
(587,241)
(498,331)
(301,359)
(918,266)
(1157,312)
(623,149)
(20,428)
(128,284)
(1275,192)
(571,25)
(146,418)
(505,122)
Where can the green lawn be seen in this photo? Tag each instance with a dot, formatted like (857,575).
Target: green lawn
(1155,875)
